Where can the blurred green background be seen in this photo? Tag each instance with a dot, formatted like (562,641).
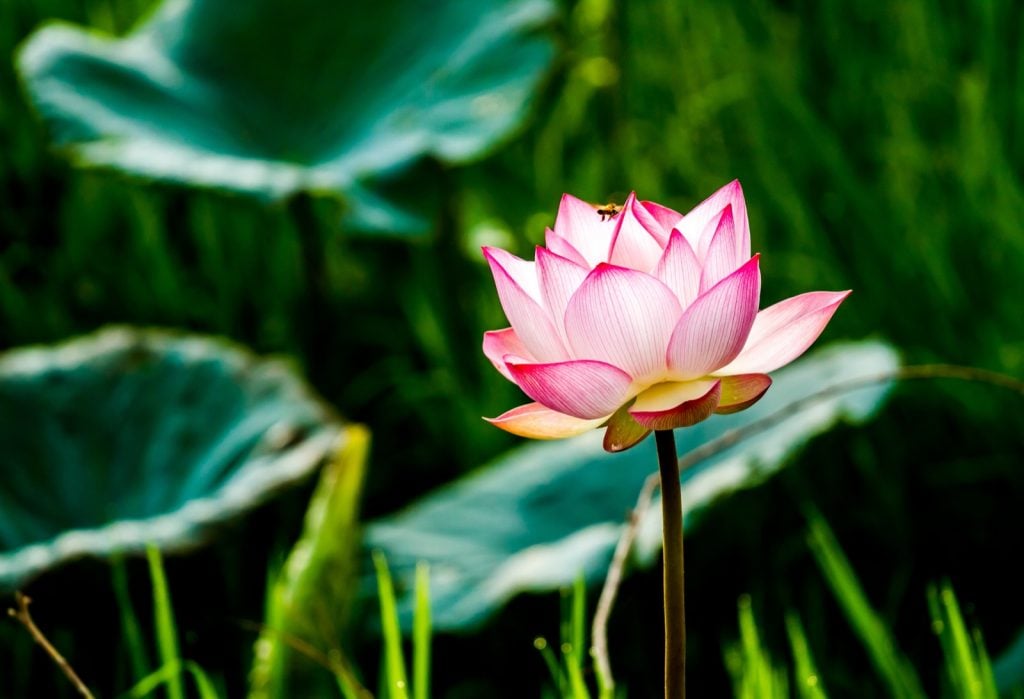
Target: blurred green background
(880,148)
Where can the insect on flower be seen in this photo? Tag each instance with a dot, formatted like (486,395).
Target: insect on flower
(609,210)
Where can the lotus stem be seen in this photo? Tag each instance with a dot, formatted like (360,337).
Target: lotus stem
(672,551)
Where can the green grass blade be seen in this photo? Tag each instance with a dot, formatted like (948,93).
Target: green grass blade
(752,672)
(967,661)
(941,630)
(889,661)
(579,614)
(808,681)
(988,675)
(574,642)
(129,621)
(541,644)
(577,685)
(204,685)
(166,633)
(394,662)
(309,598)
(153,681)
(346,688)
(166,674)
(963,661)
(421,629)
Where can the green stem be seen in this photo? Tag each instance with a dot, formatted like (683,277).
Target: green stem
(672,534)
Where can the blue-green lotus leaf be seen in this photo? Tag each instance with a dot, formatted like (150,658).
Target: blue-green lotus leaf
(128,436)
(274,97)
(536,518)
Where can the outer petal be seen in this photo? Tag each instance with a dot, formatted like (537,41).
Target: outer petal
(665,217)
(586,230)
(535,421)
(679,269)
(559,280)
(498,344)
(783,332)
(635,244)
(741,391)
(560,246)
(714,328)
(523,272)
(582,388)
(720,260)
(622,317)
(667,406)
(530,320)
(701,221)
(623,431)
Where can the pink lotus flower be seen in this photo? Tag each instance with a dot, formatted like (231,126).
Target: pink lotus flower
(642,320)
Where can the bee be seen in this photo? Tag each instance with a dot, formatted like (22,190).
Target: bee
(609,210)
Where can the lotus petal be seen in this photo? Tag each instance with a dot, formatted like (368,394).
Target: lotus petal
(741,391)
(679,269)
(667,406)
(622,317)
(582,388)
(783,332)
(635,244)
(531,322)
(535,421)
(499,344)
(587,231)
(713,329)
(623,431)
(700,223)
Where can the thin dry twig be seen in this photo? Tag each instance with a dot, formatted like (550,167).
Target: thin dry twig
(22,616)
(613,579)
(611,583)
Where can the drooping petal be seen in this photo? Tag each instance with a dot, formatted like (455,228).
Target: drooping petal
(560,246)
(679,269)
(741,391)
(665,217)
(526,315)
(623,431)
(535,421)
(666,406)
(712,331)
(783,332)
(702,220)
(720,260)
(583,388)
(498,344)
(634,244)
(559,280)
(587,231)
(622,317)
